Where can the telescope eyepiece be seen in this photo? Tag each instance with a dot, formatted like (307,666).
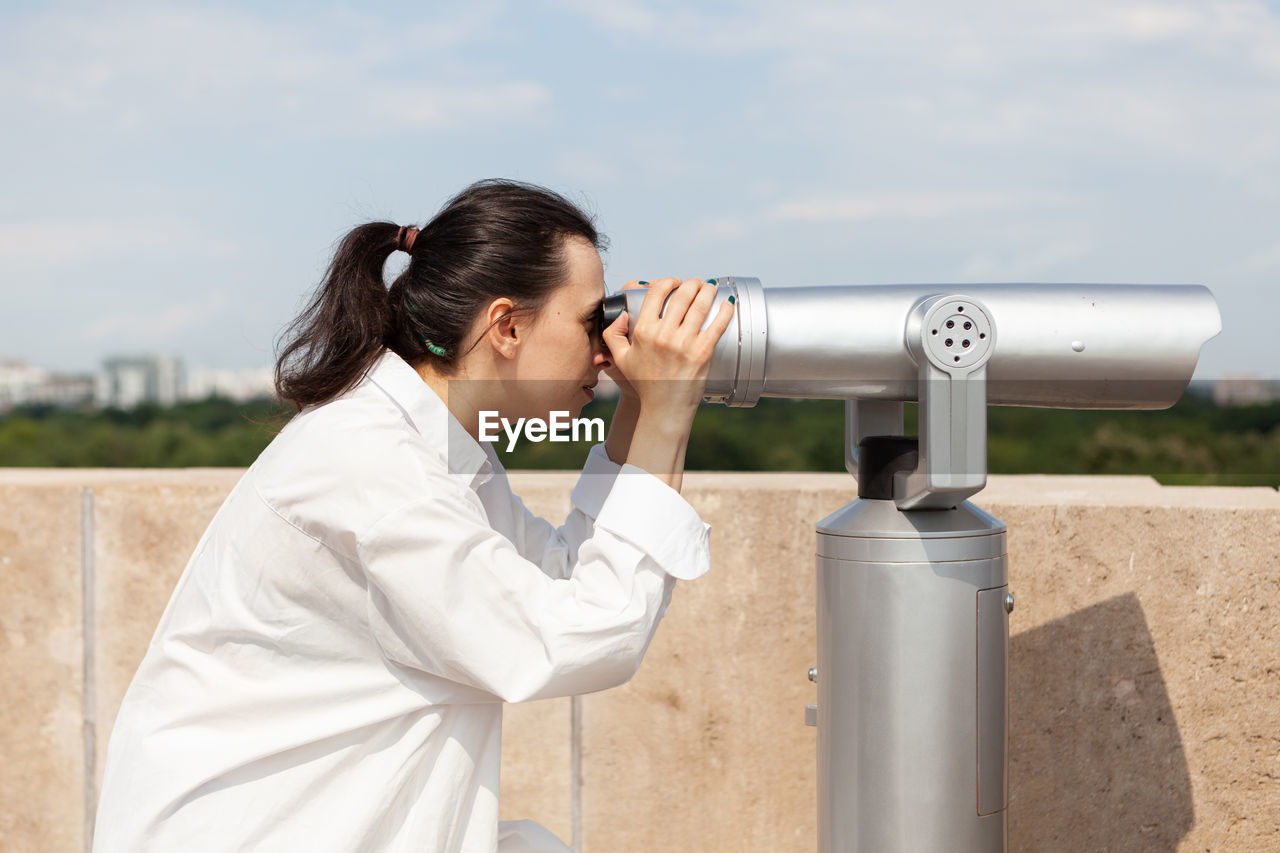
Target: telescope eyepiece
(606,312)
(610,308)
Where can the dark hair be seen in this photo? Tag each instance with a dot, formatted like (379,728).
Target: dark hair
(495,238)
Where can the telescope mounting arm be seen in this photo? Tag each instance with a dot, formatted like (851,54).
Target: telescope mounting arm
(950,338)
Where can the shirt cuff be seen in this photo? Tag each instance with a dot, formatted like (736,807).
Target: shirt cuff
(598,475)
(654,517)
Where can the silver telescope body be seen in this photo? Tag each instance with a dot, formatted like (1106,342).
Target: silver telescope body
(913,599)
(1074,346)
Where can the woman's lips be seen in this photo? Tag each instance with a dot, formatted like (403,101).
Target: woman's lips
(590,389)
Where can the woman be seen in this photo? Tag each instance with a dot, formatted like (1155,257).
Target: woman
(331,669)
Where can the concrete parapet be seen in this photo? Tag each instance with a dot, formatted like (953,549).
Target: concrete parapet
(1145,671)
(42,718)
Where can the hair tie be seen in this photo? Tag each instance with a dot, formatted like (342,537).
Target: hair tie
(405,237)
(432,348)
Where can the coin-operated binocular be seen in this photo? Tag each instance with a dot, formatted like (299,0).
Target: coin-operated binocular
(912,593)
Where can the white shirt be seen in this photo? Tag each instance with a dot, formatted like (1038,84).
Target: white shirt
(330,672)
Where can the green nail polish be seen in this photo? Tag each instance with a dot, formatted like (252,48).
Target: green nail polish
(711,281)
(642,282)
(732,300)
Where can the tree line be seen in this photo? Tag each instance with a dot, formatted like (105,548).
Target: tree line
(1195,442)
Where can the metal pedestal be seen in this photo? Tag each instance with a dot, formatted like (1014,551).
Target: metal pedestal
(912,680)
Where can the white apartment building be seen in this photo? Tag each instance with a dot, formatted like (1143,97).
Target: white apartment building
(18,383)
(23,384)
(127,381)
(1244,391)
(237,385)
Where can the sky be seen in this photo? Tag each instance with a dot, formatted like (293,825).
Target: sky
(176,175)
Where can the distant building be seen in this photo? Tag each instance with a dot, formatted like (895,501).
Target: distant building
(18,381)
(127,381)
(66,390)
(1243,391)
(238,385)
(23,384)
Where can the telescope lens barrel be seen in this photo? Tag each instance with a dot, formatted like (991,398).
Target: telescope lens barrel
(1076,346)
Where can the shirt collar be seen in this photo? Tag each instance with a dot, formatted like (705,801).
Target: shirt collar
(431,417)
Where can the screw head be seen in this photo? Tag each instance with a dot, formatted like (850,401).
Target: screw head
(813,674)
(1008,603)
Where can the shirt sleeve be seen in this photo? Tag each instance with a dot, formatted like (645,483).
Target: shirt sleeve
(553,548)
(453,597)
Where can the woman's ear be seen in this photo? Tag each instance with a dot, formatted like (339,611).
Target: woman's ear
(505,327)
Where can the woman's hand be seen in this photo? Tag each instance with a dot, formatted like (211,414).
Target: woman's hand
(663,360)
(664,364)
(626,391)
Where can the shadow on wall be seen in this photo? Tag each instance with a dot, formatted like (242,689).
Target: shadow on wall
(1096,762)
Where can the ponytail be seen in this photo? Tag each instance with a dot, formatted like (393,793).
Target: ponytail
(494,239)
(336,339)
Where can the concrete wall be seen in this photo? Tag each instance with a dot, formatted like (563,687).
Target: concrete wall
(1144,659)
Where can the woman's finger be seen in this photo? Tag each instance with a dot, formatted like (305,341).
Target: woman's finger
(615,337)
(710,336)
(695,315)
(653,300)
(678,304)
(700,308)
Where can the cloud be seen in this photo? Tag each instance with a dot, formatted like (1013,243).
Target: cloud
(633,17)
(1193,82)
(979,36)
(139,320)
(1045,255)
(864,207)
(722,228)
(433,107)
(160,324)
(142,68)
(1264,262)
(936,205)
(586,165)
(45,243)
